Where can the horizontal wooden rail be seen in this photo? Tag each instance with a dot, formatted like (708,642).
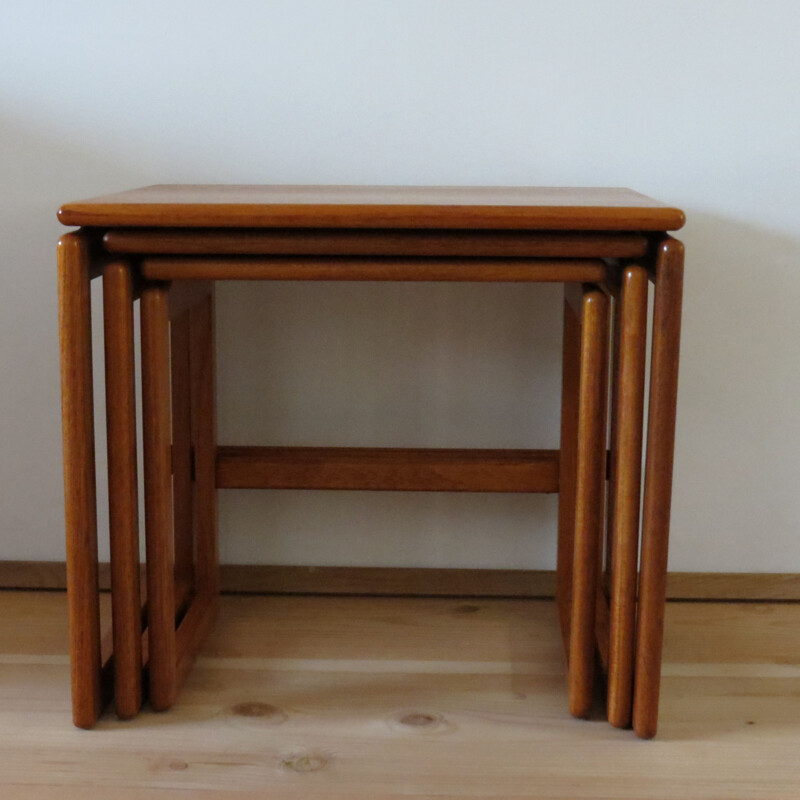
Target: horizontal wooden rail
(517,244)
(387,469)
(311,268)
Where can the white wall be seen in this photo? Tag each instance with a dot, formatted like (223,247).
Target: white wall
(694,102)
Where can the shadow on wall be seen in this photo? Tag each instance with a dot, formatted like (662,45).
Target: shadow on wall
(736,503)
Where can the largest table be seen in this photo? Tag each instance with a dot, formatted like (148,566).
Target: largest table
(167,245)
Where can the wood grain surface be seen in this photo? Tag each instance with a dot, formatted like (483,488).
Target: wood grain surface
(759,587)
(387,469)
(204,438)
(407,698)
(658,484)
(305,242)
(77,414)
(499,207)
(630,328)
(308,268)
(590,475)
(157,447)
(123,492)
(182,488)
(568,462)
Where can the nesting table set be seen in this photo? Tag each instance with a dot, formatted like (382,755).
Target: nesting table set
(165,246)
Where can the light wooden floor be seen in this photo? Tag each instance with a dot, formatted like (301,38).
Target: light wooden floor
(386,698)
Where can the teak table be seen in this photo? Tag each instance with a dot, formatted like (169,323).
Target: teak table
(166,245)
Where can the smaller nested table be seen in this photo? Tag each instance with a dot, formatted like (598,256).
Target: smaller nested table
(167,245)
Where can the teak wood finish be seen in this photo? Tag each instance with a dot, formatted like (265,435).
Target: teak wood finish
(158,495)
(182,455)
(407,243)
(123,487)
(168,244)
(181,518)
(589,479)
(630,337)
(307,268)
(376,207)
(658,484)
(74,315)
(387,469)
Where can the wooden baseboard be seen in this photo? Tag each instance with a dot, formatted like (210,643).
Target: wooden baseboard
(258,579)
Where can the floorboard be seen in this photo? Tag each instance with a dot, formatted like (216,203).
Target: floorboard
(385,698)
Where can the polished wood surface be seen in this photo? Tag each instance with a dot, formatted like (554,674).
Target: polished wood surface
(299,268)
(154,307)
(658,484)
(590,475)
(190,236)
(77,410)
(182,453)
(123,492)
(625,488)
(389,698)
(305,242)
(570,380)
(607,556)
(514,208)
(203,383)
(387,469)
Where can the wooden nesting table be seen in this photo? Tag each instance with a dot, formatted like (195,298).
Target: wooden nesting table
(167,245)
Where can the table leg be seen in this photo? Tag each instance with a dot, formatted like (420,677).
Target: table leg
(589,495)
(194,390)
(74,305)
(570,379)
(182,452)
(204,436)
(202,612)
(182,572)
(158,494)
(612,440)
(625,487)
(658,484)
(123,487)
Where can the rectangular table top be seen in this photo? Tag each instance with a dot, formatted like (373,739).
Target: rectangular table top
(376,207)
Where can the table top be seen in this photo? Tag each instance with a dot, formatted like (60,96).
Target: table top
(431,207)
